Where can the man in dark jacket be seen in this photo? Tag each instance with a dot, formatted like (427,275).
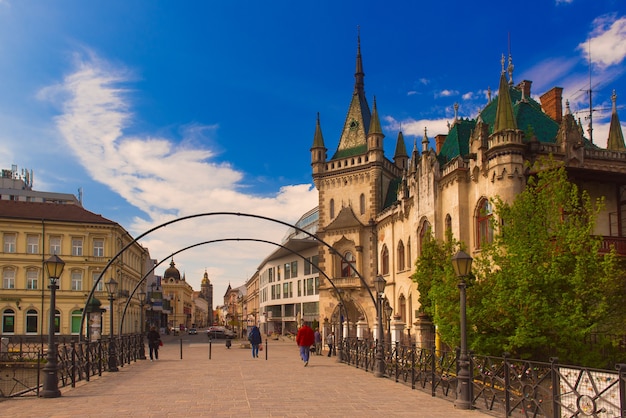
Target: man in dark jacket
(254,336)
(305,339)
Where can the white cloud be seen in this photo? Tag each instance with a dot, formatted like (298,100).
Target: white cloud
(446,93)
(607,41)
(168,179)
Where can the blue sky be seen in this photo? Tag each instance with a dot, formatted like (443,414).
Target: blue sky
(161,109)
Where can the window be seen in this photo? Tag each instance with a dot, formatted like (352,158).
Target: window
(8,278)
(32,321)
(287,270)
(384,260)
(55,245)
(408,253)
(299,288)
(57,321)
(362,204)
(448,227)
(32,244)
(9,243)
(310,267)
(294,269)
(310,287)
(76,318)
(77,246)
(98,247)
(8,321)
(94,277)
(348,265)
(400,256)
(332,208)
(288,290)
(483,223)
(424,234)
(77,280)
(32,279)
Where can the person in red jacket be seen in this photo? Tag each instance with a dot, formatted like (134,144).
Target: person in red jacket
(305,339)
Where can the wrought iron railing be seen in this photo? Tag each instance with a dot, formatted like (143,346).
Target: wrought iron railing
(22,361)
(500,385)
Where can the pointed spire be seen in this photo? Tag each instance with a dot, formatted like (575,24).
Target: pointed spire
(505,119)
(400,147)
(375,121)
(318,139)
(359,75)
(615,141)
(567,109)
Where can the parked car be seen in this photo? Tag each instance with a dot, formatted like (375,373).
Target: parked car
(192,331)
(220,332)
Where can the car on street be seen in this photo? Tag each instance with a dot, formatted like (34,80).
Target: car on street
(220,332)
(192,331)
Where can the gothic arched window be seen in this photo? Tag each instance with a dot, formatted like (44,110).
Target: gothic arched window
(348,268)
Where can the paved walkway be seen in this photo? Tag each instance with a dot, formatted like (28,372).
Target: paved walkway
(233,384)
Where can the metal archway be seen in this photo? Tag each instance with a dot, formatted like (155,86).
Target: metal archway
(213,242)
(106,267)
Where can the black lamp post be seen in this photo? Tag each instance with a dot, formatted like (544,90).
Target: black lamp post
(388,312)
(339,341)
(54,267)
(111,289)
(379,285)
(462,263)
(142,348)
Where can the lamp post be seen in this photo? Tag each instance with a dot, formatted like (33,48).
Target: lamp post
(111,289)
(54,267)
(379,285)
(388,312)
(339,341)
(142,348)
(462,263)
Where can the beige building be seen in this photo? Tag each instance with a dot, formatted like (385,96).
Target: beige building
(178,296)
(31,233)
(374,211)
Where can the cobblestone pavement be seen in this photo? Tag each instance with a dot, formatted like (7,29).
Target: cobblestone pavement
(234,384)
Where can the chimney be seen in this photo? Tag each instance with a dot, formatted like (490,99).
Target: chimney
(439,140)
(524,87)
(552,103)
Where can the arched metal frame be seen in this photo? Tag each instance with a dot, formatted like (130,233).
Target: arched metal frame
(213,242)
(332,250)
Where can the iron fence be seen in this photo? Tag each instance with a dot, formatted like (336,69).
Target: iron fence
(22,361)
(500,385)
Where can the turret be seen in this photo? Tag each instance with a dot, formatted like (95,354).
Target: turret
(615,142)
(375,137)
(318,150)
(401,158)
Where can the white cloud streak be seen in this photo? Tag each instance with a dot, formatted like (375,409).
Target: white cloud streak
(167,179)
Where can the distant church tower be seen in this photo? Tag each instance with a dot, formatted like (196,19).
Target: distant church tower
(206,293)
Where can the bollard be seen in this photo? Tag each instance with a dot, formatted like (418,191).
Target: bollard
(266,349)
(181,348)
(210,349)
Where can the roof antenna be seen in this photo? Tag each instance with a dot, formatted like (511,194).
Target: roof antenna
(590,130)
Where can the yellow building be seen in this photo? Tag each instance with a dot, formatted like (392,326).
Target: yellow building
(179,294)
(33,231)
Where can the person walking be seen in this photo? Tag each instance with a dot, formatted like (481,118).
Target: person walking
(330,342)
(154,341)
(318,342)
(305,339)
(254,336)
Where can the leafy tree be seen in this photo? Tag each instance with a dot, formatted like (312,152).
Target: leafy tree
(541,287)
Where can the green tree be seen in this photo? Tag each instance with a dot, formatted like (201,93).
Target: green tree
(541,287)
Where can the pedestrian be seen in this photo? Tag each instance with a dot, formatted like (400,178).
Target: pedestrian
(254,336)
(330,342)
(318,342)
(305,339)
(154,342)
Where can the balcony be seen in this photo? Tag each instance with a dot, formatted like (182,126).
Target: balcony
(346,282)
(618,242)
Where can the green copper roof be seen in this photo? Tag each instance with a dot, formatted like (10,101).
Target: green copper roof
(457,141)
(392,192)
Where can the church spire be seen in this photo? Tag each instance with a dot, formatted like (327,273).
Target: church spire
(505,119)
(359,75)
(615,141)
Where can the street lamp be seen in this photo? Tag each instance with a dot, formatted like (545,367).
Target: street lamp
(54,268)
(379,285)
(142,301)
(339,341)
(388,312)
(462,264)
(111,288)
